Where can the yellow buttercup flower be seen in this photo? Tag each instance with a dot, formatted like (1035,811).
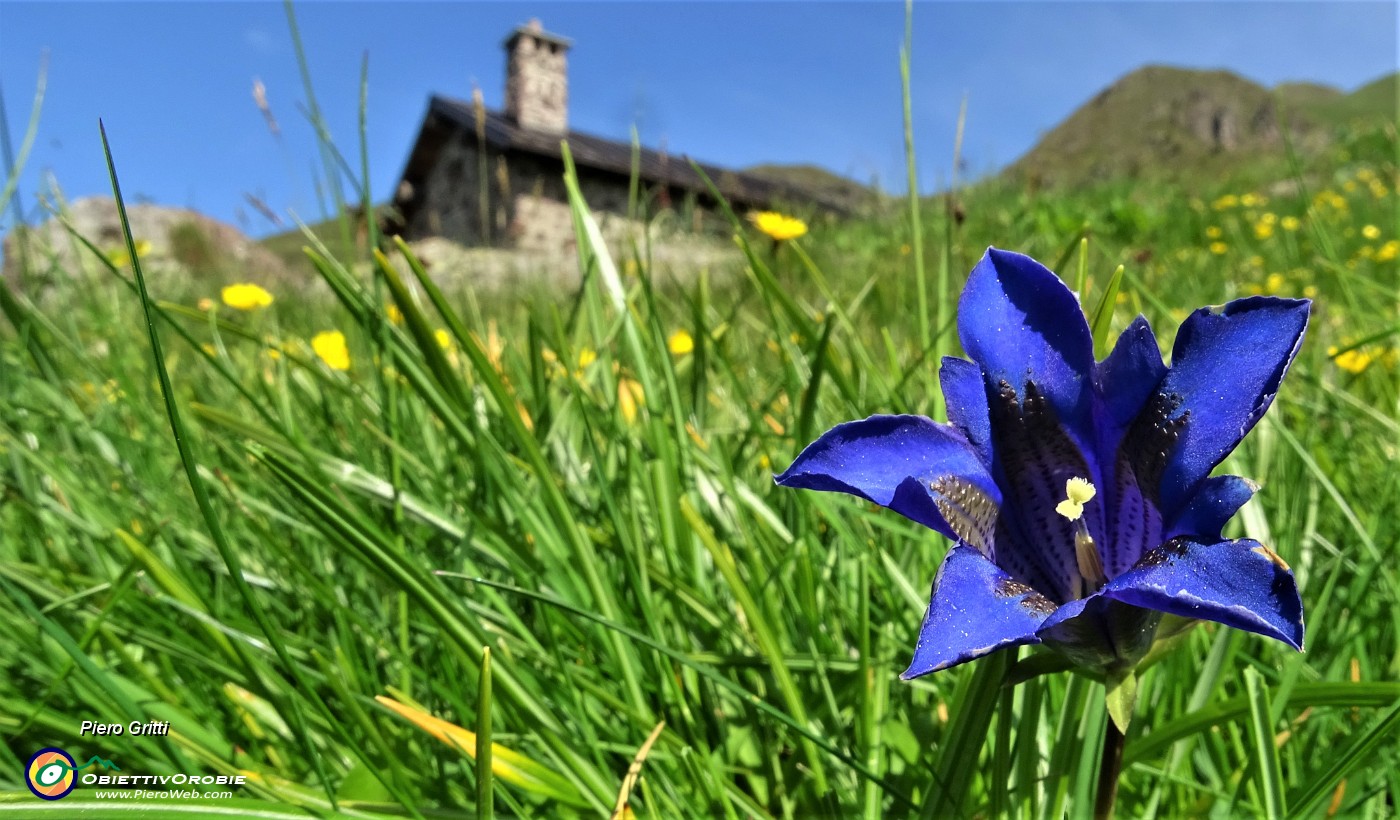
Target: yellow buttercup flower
(246,297)
(1289,223)
(1227,201)
(120,258)
(395,315)
(1371,232)
(1352,361)
(586,357)
(1388,251)
(680,343)
(444,339)
(1218,248)
(331,348)
(630,398)
(1213,232)
(778,226)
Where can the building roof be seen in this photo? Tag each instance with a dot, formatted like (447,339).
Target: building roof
(447,116)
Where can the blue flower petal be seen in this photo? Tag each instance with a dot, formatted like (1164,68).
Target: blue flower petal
(1227,365)
(976,609)
(1237,583)
(966,398)
(925,471)
(1214,504)
(1020,323)
(1125,382)
(1130,374)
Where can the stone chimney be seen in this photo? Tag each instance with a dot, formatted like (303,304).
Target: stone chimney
(537,79)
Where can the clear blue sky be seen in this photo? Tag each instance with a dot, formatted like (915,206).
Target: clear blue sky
(731,83)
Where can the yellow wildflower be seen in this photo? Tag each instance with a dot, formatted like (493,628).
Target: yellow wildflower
(1214,232)
(120,258)
(680,343)
(246,297)
(1263,230)
(1274,283)
(1388,251)
(395,315)
(1349,186)
(1218,248)
(444,339)
(1352,361)
(586,357)
(209,349)
(778,226)
(1227,201)
(629,398)
(1371,232)
(331,348)
(1310,292)
(1289,223)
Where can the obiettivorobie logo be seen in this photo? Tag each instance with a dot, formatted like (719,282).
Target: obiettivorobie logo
(52,773)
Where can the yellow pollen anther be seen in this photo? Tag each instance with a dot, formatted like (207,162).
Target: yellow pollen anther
(1078,492)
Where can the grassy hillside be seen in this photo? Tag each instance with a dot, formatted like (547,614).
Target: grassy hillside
(395,552)
(582,483)
(854,196)
(1189,127)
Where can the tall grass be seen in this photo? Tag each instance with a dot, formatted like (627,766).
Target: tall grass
(539,526)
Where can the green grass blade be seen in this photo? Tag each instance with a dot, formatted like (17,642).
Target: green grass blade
(485,804)
(1265,753)
(229,555)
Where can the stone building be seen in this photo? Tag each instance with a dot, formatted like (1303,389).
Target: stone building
(485,177)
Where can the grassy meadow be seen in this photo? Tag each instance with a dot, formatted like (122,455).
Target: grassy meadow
(503,553)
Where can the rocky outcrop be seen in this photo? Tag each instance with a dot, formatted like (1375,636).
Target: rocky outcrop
(180,250)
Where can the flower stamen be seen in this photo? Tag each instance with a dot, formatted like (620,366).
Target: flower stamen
(1078,492)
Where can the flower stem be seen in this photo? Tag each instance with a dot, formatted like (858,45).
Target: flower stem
(1110,766)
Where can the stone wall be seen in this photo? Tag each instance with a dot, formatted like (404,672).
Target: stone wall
(449,198)
(526,202)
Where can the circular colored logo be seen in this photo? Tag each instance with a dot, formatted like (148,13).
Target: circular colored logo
(51,774)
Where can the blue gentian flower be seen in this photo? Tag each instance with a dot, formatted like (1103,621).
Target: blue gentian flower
(1078,493)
